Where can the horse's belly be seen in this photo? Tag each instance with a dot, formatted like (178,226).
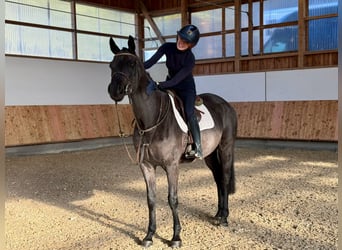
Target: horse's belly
(210,139)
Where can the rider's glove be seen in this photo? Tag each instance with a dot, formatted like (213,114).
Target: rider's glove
(152,86)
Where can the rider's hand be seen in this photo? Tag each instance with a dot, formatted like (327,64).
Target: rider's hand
(152,86)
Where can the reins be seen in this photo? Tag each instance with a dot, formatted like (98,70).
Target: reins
(141,147)
(159,120)
(122,135)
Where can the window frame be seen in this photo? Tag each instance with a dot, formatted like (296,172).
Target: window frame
(301,23)
(73,30)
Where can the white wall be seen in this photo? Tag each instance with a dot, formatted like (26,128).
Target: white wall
(234,87)
(55,82)
(286,85)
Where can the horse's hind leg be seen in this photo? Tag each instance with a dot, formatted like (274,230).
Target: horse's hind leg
(172,177)
(215,166)
(226,158)
(221,163)
(149,173)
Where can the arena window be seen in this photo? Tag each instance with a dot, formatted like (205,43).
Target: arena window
(64,29)
(167,25)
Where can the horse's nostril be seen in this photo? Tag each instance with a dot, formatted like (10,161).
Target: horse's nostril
(120,88)
(111,89)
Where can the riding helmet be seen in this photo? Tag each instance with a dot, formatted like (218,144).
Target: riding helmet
(189,33)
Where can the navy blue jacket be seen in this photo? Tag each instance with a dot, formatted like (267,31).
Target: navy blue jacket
(179,64)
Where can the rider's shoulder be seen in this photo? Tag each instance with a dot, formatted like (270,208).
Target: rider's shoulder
(169,45)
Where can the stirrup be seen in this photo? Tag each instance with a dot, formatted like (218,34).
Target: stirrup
(199,155)
(193,154)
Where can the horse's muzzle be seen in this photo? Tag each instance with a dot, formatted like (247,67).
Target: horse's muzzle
(119,86)
(116,91)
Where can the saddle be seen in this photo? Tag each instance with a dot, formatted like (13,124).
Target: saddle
(205,120)
(180,107)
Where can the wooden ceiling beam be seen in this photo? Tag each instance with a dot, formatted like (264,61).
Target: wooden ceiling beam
(209,4)
(150,20)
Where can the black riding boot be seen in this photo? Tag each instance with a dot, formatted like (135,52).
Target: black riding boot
(196,135)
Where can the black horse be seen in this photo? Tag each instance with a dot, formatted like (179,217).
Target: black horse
(159,141)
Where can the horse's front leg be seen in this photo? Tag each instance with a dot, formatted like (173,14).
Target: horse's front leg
(149,173)
(172,177)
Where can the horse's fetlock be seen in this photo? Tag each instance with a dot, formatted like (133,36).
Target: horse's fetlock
(173,201)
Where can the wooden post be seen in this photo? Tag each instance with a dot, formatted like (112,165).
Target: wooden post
(184,12)
(250,28)
(302,36)
(237,35)
(139,30)
(223,32)
(261,31)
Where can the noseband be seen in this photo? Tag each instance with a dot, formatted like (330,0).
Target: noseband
(128,89)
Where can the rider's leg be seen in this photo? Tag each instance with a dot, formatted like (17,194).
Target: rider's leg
(196,135)
(189,108)
(188,97)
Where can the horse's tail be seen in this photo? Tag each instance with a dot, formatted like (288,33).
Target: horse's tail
(231,184)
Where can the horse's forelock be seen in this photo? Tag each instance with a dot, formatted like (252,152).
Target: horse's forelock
(126,50)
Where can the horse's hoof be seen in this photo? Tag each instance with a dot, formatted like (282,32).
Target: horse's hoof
(220,221)
(223,223)
(176,244)
(147,243)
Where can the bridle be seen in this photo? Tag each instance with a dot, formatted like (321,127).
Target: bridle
(128,89)
(161,116)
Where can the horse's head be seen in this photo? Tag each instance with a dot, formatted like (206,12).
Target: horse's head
(126,70)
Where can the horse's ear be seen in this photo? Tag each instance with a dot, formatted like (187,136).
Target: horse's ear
(113,47)
(131,45)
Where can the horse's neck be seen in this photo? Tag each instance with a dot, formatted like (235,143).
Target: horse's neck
(148,110)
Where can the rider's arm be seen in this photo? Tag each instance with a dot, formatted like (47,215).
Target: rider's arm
(185,71)
(155,58)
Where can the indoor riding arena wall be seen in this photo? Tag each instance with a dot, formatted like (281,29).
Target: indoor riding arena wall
(310,120)
(68,101)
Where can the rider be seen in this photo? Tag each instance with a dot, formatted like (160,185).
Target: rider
(180,61)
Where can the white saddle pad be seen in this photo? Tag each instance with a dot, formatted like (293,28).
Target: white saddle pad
(206,121)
